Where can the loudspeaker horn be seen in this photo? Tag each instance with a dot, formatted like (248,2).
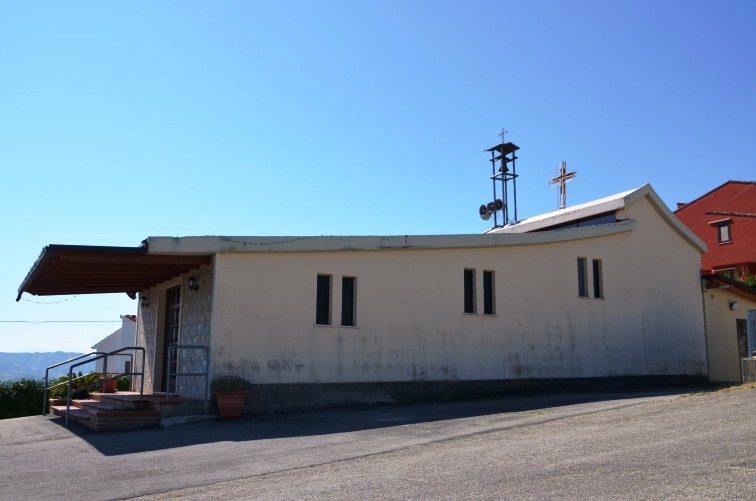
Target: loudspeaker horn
(485,214)
(498,204)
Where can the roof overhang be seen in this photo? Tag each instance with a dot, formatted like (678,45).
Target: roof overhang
(80,269)
(717,280)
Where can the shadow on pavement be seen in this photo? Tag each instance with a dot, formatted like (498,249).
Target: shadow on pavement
(340,420)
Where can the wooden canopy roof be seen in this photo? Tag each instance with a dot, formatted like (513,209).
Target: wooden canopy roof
(78,269)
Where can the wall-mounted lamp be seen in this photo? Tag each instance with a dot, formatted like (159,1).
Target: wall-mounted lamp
(145,301)
(193,285)
(734,305)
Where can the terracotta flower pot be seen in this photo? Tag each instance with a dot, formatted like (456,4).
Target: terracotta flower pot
(108,386)
(231,403)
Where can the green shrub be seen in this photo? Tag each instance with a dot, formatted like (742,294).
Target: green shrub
(80,386)
(229,383)
(21,397)
(124,384)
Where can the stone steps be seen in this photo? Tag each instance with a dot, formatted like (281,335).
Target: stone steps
(102,412)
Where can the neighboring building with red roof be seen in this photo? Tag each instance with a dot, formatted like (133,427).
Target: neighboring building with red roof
(725,218)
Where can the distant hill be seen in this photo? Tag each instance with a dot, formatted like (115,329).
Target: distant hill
(33,365)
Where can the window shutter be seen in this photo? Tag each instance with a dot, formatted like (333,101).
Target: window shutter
(724,233)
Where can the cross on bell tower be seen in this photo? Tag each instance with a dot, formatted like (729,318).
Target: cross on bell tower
(562,179)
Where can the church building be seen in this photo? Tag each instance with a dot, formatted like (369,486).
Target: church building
(590,296)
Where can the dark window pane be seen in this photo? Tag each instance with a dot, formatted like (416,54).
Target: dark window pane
(488,293)
(469,291)
(347,301)
(323,305)
(597,281)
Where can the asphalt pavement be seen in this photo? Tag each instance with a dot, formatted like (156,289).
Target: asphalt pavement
(654,445)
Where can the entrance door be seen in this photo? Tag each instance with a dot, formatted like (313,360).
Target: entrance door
(171,337)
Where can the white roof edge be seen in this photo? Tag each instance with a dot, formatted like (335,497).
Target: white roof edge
(602,205)
(522,233)
(569,214)
(220,244)
(661,208)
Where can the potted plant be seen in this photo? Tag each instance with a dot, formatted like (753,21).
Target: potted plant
(108,383)
(231,391)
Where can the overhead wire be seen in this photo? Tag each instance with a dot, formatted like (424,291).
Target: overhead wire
(59,321)
(750,185)
(51,302)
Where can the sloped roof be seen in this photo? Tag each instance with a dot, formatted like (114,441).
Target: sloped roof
(750,184)
(108,338)
(602,206)
(81,269)
(570,214)
(70,269)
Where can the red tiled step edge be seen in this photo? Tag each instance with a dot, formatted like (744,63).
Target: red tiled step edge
(101,420)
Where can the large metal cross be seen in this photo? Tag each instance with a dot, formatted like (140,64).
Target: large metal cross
(562,179)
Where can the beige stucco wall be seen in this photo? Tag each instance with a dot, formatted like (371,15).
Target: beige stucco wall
(410,324)
(721,332)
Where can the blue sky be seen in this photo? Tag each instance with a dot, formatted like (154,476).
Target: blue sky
(122,120)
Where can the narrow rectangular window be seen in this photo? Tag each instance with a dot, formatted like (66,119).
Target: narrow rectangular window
(582,277)
(469,290)
(323,301)
(598,282)
(723,231)
(347,301)
(488,293)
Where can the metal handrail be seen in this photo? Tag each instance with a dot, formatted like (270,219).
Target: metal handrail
(105,366)
(174,348)
(114,354)
(47,376)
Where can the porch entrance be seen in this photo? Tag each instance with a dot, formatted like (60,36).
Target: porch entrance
(171,338)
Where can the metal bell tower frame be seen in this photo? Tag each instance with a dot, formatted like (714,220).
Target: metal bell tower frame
(502,155)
